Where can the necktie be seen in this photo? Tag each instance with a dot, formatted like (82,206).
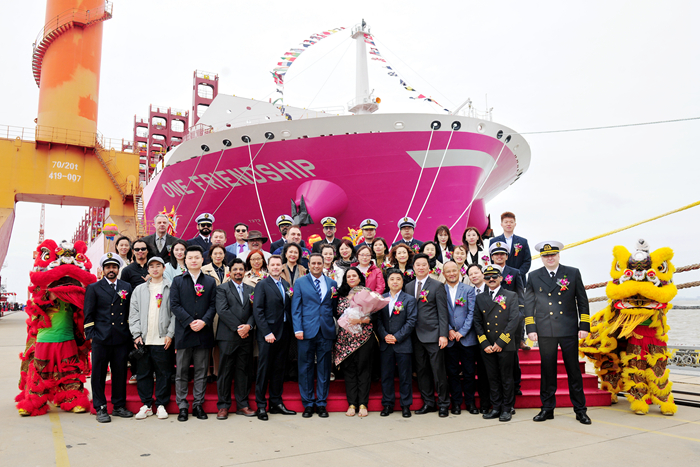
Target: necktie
(552,275)
(317,284)
(491,294)
(240,249)
(478,290)
(160,243)
(279,286)
(419,286)
(240,292)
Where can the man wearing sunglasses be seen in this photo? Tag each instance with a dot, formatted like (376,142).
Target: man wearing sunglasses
(137,272)
(241,247)
(205,224)
(495,320)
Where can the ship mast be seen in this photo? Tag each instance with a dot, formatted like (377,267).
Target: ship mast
(363,103)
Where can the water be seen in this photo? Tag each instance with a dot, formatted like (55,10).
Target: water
(684,324)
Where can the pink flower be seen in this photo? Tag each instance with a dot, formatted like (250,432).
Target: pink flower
(509,278)
(159,299)
(563,284)
(290,292)
(501,300)
(424,295)
(448,254)
(518,247)
(251,297)
(463,270)
(334,292)
(398,307)
(199,289)
(460,301)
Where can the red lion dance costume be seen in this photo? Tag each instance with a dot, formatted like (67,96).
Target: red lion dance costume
(57,356)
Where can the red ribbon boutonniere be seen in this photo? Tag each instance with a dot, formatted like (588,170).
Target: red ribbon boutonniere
(518,248)
(509,278)
(436,270)
(563,284)
(122,294)
(501,300)
(334,292)
(199,289)
(424,295)
(251,297)
(460,302)
(398,308)
(159,299)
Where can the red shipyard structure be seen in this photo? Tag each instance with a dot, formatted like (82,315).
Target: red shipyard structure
(246,159)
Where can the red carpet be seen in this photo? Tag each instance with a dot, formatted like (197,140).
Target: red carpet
(529,365)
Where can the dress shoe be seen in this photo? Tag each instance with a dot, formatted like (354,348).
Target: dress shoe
(222,414)
(281,409)
(524,346)
(426,409)
(102,415)
(386,411)
(543,415)
(473,410)
(444,412)
(122,412)
(262,414)
(211,379)
(512,411)
(518,392)
(491,415)
(308,412)
(484,410)
(182,417)
(198,411)
(456,410)
(406,412)
(322,412)
(505,416)
(583,418)
(246,411)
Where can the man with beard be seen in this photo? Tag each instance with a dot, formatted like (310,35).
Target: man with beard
(205,222)
(107,325)
(137,272)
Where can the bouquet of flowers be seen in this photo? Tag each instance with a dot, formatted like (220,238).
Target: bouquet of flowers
(363,303)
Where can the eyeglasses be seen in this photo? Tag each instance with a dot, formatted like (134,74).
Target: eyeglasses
(205,226)
(140,249)
(241,231)
(364,256)
(491,277)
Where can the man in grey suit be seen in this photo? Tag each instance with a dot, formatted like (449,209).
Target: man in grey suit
(160,243)
(430,338)
(234,336)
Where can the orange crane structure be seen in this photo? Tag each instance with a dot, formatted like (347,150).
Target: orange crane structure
(64,159)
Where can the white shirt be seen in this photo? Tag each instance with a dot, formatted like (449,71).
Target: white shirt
(152,336)
(479,290)
(552,271)
(194,278)
(322,284)
(509,241)
(112,285)
(419,285)
(495,292)
(392,302)
(453,292)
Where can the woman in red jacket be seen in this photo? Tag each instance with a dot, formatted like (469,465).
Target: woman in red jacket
(374,278)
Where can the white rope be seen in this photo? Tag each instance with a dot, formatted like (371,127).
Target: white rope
(238,179)
(436,176)
(194,211)
(199,159)
(255,183)
(483,182)
(420,174)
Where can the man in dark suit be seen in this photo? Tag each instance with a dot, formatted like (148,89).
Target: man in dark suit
(407,226)
(394,328)
(460,354)
(314,300)
(218,237)
(329,226)
(273,319)
(160,243)
(519,256)
(235,339)
(556,314)
(193,302)
(495,320)
(205,223)
(430,339)
(107,326)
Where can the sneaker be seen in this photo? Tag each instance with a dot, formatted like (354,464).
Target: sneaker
(144,411)
(132,380)
(162,413)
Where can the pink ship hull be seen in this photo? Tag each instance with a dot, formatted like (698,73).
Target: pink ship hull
(348,176)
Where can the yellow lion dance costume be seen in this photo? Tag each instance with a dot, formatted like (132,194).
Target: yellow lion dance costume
(627,343)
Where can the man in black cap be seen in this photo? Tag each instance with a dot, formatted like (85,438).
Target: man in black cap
(107,326)
(556,315)
(495,320)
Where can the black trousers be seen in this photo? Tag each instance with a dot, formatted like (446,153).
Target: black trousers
(357,368)
(235,359)
(114,356)
(159,361)
(482,382)
(460,363)
(272,360)
(519,334)
(391,360)
(548,364)
(431,372)
(499,367)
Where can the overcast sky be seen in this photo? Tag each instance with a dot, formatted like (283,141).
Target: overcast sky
(541,65)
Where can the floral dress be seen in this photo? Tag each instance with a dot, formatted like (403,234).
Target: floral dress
(347,342)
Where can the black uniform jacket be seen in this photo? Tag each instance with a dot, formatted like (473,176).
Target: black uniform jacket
(107,313)
(556,309)
(495,324)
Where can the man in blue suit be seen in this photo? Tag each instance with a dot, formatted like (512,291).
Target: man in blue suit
(460,354)
(519,256)
(394,328)
(313,303)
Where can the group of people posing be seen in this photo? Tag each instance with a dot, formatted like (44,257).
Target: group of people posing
(454,311)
